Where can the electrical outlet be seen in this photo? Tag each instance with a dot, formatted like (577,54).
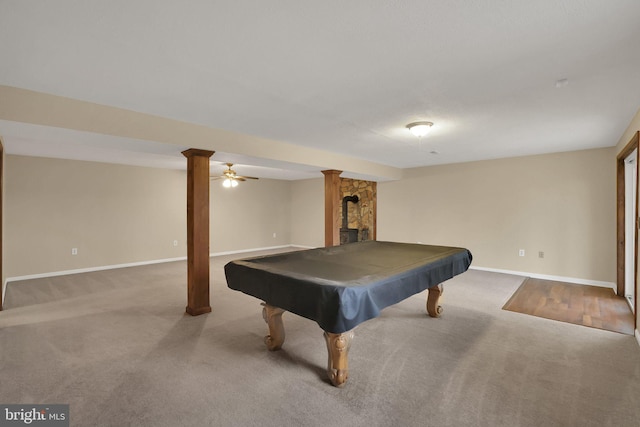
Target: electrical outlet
(540,254)
(274,235)
(74,251)
(175,243)
(521,252)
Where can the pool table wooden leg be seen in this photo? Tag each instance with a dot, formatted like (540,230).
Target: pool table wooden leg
(338,349)
(273,316)
(433,308)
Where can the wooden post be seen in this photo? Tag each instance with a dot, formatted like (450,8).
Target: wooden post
(1,207)
(198,231)
(331,207)
(374,209)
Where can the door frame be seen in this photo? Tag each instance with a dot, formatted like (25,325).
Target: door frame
(620,223)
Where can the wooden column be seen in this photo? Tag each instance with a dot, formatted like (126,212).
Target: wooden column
(198,231)
(1,223)
(331,207)
(374,208)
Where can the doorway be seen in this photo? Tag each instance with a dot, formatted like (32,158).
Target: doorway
(627,223)
(630,219)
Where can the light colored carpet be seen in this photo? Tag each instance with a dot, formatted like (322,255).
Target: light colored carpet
(117,346)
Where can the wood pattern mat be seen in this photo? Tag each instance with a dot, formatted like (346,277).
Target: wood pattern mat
(593,306)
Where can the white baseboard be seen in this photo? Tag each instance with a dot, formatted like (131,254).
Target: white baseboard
(575,280)
(131,264)
(90,269)
(638,336)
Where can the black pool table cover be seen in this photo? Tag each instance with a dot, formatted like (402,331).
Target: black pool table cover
(340,287)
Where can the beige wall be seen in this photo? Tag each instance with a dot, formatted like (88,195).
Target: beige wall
(561,204)
(307,212)
(247,216)
(113,214)
(117,214)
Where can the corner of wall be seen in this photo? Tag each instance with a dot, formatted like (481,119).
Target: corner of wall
(634,126)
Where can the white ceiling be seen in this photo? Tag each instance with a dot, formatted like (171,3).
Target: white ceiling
(340,76)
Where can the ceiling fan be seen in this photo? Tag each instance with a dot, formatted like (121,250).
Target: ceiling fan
(231,178)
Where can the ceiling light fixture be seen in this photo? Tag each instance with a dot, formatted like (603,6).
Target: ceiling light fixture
(420,129)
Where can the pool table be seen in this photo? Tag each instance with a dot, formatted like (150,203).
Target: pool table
(340,287)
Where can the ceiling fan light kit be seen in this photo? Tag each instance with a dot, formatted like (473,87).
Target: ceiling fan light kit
(229,183)
(230,178)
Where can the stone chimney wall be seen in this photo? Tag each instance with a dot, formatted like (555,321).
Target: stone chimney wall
(362,215)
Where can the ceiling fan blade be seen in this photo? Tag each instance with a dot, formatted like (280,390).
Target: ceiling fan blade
(247,177)
(217,177)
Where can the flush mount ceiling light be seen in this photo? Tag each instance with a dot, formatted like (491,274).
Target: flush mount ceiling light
(420,129)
